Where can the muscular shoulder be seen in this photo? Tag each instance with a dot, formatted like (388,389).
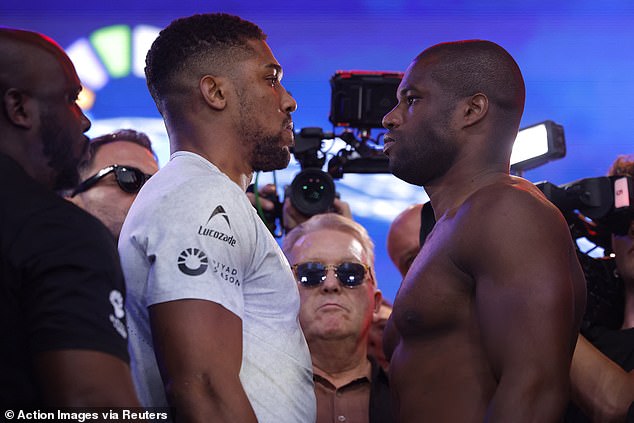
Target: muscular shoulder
(512,215)
(512,201)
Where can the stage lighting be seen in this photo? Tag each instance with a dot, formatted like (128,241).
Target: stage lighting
(536,145)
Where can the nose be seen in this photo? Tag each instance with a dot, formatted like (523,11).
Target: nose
(390,120)
(85,122)
(331,284)
(289,105)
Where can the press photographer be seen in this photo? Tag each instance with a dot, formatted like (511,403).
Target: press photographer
(600,210)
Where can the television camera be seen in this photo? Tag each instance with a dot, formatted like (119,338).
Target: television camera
(595,208)
(359,100)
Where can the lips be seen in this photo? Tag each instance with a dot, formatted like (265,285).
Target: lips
(388,141)
(330,306)
(288,124)
(288,127)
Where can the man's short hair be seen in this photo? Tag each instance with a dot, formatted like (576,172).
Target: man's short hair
(336,222)
(125,135)
(198,44)
(622,166)
(464,68)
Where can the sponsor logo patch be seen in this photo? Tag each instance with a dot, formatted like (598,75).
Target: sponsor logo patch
(193,262)
(213,232)
(228,273)
(219,211)
(116,299)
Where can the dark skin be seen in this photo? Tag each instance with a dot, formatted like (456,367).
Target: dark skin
(485,322)
(598,385)
(198,344)
(200,378)
(46,81)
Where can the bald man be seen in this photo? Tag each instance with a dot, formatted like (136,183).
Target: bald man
(62,326)
(403,238)
(599,386)
(487,318)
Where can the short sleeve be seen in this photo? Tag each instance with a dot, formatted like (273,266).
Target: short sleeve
(73,289)
(201,251)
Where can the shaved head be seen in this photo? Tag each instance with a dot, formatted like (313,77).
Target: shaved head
(41,123)
(403,238)
(25,50)
(464,68)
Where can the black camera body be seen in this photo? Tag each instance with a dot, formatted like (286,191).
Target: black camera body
(608,201)
(595,208)
(312,190)
(359,99)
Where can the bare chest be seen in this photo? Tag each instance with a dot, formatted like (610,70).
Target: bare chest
(435,297)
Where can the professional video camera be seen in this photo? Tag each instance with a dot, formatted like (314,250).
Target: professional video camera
(595,208)
(359,100)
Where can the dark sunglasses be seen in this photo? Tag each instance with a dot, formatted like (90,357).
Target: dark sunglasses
(130,179)
(312,274)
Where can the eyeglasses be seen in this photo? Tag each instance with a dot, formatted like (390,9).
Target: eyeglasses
(130,179)
(312,274)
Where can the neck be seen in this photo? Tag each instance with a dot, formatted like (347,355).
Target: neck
(628,315)
(222,150)
(462,180)
(340,362)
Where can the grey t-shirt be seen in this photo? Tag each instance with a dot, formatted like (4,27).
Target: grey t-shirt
(193,234)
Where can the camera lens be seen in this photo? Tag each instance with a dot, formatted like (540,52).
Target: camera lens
(312,192)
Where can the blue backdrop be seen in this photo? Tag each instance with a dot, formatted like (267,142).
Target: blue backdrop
(576,57)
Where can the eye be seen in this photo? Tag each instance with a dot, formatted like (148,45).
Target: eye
(273,80)
(72,96)
(410,100)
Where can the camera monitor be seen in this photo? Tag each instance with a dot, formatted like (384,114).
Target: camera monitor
(360,99)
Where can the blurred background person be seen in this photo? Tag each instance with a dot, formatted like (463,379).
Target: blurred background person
(600,392)
(62,326)
(118,165)
(332,258)
(375,335)
(403,241)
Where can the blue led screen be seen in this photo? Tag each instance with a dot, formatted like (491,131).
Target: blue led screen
(576,57)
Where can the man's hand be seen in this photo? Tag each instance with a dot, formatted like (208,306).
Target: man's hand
(264,192)
(292,217)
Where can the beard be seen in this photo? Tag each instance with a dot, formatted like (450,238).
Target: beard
(58,149)
(421,159)
(420,166)
(267,151)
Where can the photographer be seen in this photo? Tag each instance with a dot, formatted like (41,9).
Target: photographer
(291,217)
(596,381)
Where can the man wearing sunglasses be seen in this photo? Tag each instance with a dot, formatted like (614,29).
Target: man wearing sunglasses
(119,164)
(62,318)
(332,258)
(213,304)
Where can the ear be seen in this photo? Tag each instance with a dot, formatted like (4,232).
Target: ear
(378,298)
(475,109)
(16,107)
(212,88)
